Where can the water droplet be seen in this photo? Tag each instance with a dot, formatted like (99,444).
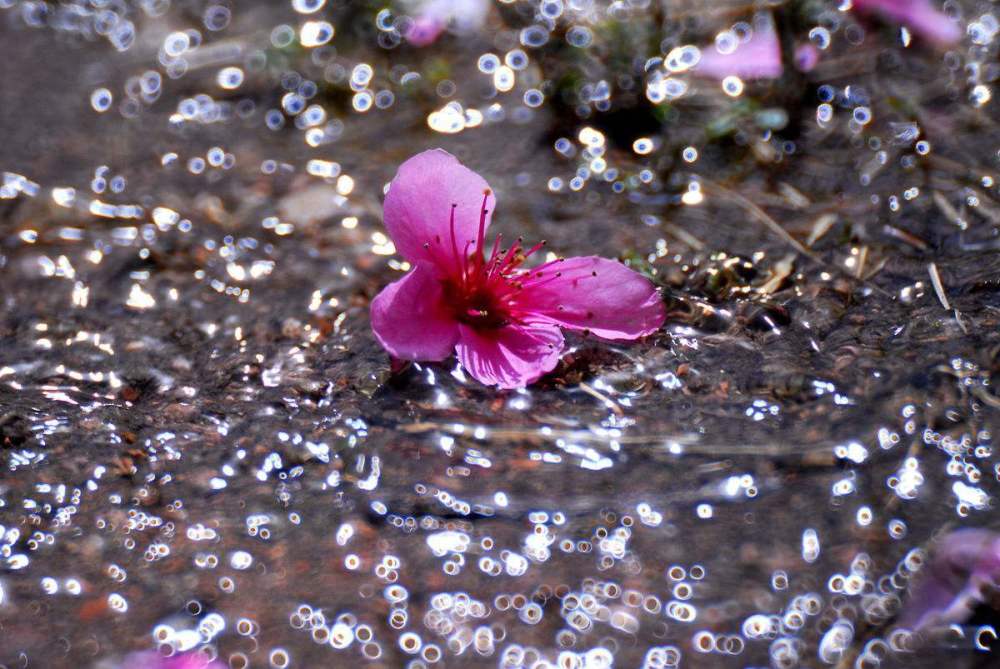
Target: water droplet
(101,99)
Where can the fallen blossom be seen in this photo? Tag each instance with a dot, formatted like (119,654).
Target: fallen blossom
(501,318)
(153,660)
(432,17)
(917,15)
(757,58)
(946,590)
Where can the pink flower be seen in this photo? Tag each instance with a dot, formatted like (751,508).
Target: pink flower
(153,660)
(917,15)
(806,57)
(425,30)
(952,584)
(433,16)
(501,318)
(758,58)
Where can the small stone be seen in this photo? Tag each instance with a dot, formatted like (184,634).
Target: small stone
(311,204)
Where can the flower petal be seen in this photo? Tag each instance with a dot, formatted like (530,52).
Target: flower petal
(947,588)
(806,57)
(424,30)
(153,660)
(759,58)
(509,357)
(419,203)
(410,319)
(918,15)
(930,600)
(595,294)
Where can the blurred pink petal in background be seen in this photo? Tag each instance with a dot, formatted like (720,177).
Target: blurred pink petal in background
(917,15)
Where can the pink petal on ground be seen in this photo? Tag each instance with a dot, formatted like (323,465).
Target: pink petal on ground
(806,57)
(947,589)
(759,58)
(418,208)
(511,356)
(596,294)
(933,601)
(411,320)
(424,30)
(152,660)
(917,15)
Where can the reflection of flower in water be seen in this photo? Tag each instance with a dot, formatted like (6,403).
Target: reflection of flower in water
(917,15)
(965,565)
(432,17)
(502,319)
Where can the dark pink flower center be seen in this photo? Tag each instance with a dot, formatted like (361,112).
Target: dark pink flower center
(483,292)
(479,309)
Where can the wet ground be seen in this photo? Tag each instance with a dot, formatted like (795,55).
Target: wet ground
(205,448)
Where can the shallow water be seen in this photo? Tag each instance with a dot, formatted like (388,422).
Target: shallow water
(205,448)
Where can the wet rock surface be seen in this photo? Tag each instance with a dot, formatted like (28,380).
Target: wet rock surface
(205,449)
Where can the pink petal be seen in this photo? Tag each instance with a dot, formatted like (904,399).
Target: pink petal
(931,601)
(596,294)
(806,57)
(759,58)
(419,203)
(153,660)
(411,321)
(948,587)
(509,357)
(918,15)
(424,30)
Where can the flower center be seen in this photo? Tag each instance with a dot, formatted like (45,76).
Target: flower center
(482,290)
(476,306)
